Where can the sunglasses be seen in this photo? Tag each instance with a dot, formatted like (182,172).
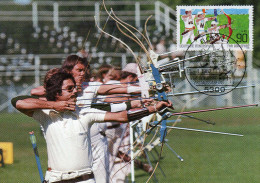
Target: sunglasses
(70,89)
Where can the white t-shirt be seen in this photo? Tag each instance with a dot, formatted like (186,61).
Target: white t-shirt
(68,138)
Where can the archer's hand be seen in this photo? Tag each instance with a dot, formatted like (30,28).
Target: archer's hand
(163,104)
(141,103)
(168,88)
(159,106)
(64,106)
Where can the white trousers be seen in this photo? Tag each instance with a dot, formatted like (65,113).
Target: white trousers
(187,36)
(100,160)
(118,170)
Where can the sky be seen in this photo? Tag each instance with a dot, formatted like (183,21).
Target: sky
(211,11)
(22,1)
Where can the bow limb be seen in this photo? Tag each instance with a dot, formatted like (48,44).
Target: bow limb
(146,39)
(127,35)
(116,20)
(156,166)
(97,40)
(132,52)
(82,48)
(136,38)
(146,33)
(229,23)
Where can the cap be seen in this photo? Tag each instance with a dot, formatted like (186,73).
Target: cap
(131,67)
(188,9)
(214,23)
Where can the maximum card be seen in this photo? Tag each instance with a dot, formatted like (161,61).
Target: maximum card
(198,27)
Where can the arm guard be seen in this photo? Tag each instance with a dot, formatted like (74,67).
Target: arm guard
(112,107)
(137,114)
(133,89)
(22,97)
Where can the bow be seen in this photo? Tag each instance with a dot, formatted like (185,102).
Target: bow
(216,14)
(160,89)
(229,23)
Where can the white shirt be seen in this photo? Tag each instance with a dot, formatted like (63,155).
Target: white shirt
(201,25)
(89,93)
(68,138)
(216,30)
(88,96)
(188,22)
(115,82)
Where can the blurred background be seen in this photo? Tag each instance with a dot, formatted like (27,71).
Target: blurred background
(36,36)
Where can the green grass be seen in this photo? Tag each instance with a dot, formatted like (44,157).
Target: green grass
(240,26)
(212,157)
(207,157)
(15,128)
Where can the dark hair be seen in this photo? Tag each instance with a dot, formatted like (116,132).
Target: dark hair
(71,61)
(125,74)
(54,84)
(103,69)
(49,74)
(115,73)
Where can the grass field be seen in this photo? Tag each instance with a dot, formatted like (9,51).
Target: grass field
(207,157)
(240,26)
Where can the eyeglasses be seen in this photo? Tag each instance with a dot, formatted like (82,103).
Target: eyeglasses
(70,89)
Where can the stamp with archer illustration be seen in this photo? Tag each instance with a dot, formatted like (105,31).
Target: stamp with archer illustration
(230,25)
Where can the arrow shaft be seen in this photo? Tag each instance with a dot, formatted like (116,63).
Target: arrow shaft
(179,61)
(215,109)
(204,131)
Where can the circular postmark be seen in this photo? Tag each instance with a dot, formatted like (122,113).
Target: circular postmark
(213,66)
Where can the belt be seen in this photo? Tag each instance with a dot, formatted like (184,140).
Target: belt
(77,179)
(113,126)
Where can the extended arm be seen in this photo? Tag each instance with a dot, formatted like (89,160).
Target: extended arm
(185,16)
(118,89)
(126,116)
(39,91)
(27,104)
(211,18)
(224,26)
(112,107)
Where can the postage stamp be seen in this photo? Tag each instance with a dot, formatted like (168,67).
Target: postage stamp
(229,24)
